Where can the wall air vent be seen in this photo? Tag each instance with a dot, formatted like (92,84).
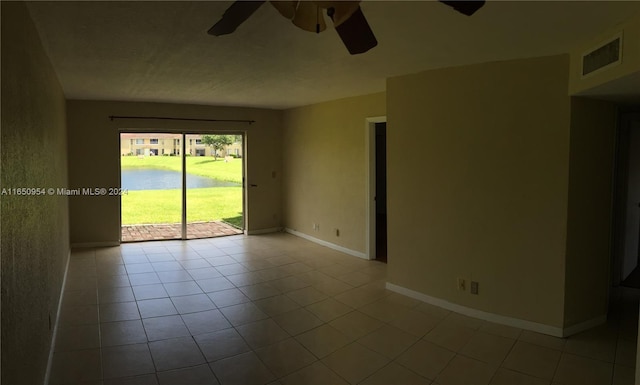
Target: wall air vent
(604,56)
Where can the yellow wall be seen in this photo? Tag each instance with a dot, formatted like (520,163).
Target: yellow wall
(325,168)
(94,153)
(589,213)
(494,174)
(35,229)
(478,167)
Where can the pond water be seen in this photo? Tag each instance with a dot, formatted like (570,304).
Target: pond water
(154,179)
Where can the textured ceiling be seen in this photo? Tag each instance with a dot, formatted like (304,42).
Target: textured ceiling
(160,51)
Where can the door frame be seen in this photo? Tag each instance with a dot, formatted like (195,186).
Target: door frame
(370,183)
(625,118)
(183,145)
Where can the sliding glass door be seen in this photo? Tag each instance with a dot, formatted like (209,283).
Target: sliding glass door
(180,186)
(214,185)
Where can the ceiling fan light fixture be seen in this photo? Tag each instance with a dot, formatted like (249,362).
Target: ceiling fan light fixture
(342,10)
(286,8)
(306,17)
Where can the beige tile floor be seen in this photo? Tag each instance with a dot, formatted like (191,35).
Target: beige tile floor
(276,309)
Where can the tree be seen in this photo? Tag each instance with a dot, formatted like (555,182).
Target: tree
(217,142)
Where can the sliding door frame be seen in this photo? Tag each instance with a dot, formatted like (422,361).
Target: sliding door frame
(183,147)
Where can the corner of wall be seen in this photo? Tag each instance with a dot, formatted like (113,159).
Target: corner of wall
(589,211)
(324,168)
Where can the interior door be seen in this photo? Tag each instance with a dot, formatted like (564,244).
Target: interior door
(632,205)
(381,191)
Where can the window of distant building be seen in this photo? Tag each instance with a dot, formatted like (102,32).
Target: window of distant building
(139,141)
(153,141)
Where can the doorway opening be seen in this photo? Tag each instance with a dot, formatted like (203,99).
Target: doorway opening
(381,191)
(377,188)
(626,269)
(181,185)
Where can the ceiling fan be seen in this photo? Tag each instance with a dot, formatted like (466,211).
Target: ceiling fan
(347,17)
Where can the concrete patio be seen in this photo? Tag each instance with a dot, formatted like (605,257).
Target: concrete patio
(139,233)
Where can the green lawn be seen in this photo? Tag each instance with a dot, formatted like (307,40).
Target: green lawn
(164,206)
(230,171)
(203,204)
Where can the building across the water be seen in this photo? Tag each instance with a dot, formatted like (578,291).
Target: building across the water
(171,145)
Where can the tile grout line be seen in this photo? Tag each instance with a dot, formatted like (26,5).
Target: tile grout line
(99,320)
(500,365)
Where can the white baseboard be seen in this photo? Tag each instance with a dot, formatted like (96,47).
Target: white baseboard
(327,244)
(263,231)
(94,244)
(52,349)
(496,318)
(586,325)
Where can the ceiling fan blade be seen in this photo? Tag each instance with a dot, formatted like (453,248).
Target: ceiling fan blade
(465,7)
(354,31)
(235,15)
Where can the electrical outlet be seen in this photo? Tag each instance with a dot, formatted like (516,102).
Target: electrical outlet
(474,287)
(462,284)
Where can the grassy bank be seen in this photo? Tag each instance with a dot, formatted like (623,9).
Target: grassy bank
(230,171)
(164,206)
